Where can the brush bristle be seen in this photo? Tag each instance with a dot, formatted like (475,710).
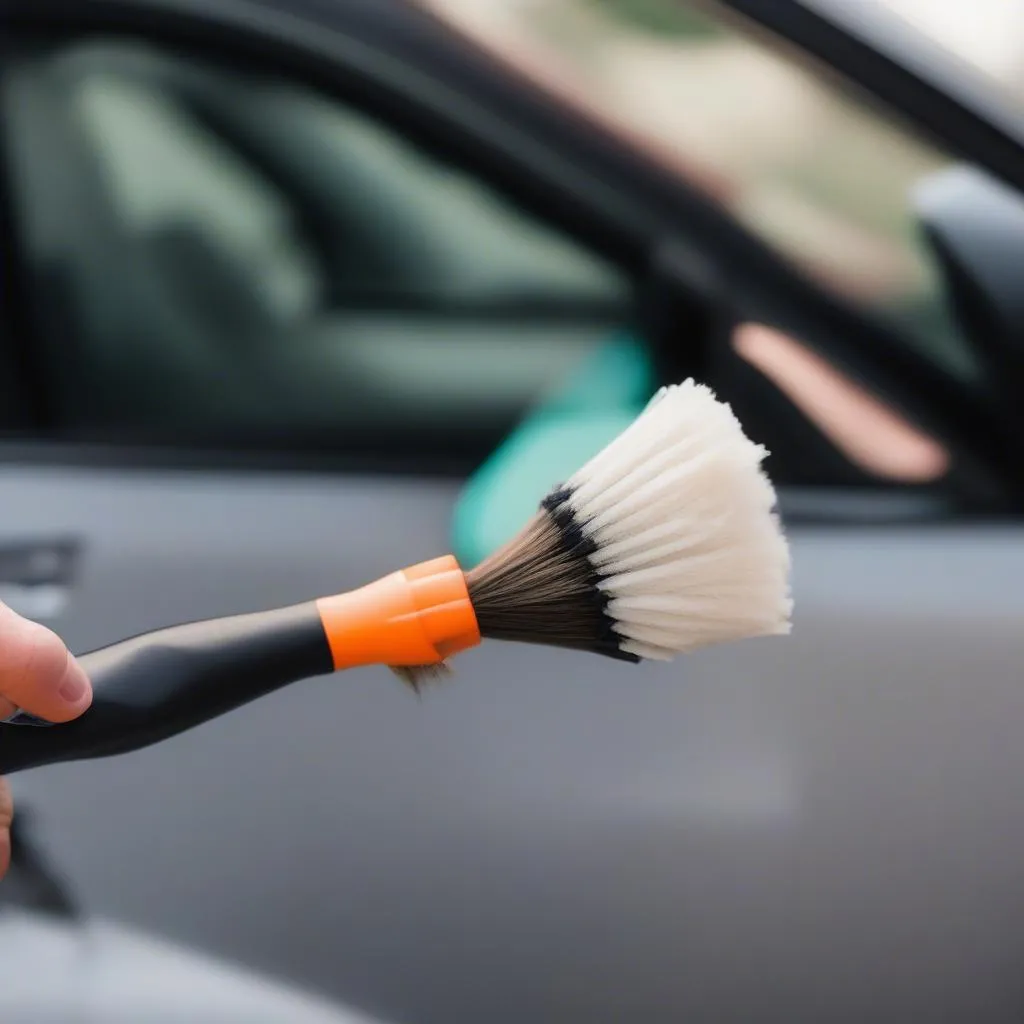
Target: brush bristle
(665,542)
(418,676)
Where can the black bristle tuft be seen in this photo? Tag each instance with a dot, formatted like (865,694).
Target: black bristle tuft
(544,588)
(578,545)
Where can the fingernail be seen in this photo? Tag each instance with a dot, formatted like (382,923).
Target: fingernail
(73,688)
(24,718)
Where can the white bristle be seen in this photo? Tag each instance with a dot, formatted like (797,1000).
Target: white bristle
(689,546)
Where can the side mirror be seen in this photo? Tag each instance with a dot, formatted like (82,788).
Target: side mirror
(554,440)
(975,227)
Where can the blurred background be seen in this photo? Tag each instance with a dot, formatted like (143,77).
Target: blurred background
(299,291)
(799,160)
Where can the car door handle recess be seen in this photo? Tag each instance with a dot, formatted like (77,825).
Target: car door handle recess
(36,575)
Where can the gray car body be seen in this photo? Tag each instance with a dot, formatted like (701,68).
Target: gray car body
(825,827)
(822,828)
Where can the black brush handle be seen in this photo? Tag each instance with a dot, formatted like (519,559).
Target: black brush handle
(157,685)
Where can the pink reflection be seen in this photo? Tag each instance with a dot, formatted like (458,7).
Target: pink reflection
(864,429)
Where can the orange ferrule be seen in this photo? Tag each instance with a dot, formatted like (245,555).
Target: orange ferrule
(418,616)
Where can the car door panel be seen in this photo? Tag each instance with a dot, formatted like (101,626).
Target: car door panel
(821,822)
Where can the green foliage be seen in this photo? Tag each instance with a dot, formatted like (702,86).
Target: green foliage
(667,18)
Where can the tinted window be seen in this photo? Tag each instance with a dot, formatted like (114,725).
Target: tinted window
(214,256)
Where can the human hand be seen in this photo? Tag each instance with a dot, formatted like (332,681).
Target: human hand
(38,675)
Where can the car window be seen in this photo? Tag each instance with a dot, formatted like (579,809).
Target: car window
(818,175)
(166,172)
(216,256)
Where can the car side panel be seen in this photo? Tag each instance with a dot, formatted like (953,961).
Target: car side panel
(822,827)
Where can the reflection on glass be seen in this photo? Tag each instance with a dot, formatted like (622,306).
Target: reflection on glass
(818,176)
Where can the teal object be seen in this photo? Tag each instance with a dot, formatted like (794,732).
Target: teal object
(559,436)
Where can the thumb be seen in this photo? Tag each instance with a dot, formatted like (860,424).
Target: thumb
(37,672)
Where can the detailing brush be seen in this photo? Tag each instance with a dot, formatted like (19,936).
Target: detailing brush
(665,542)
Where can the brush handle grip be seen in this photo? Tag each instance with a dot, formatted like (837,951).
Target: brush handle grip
(157,685)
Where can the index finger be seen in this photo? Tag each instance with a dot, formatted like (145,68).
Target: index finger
(37,672)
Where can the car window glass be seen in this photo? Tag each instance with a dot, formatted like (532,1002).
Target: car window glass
(164,169)
(826,181)
(217,256)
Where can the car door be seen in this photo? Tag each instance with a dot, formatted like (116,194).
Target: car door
(821,828)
